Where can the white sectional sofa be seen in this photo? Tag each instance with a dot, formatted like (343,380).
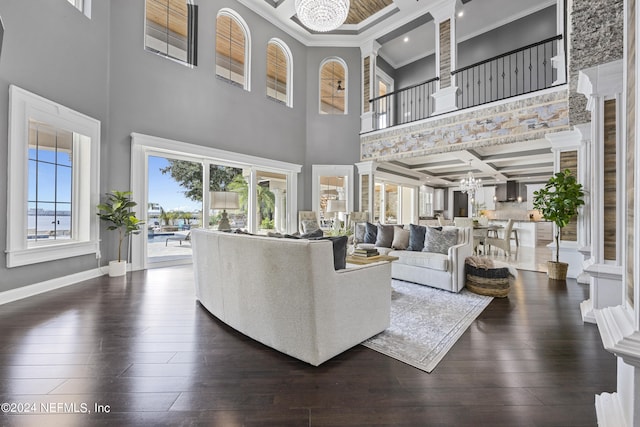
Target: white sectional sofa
(286,294)
(434,269)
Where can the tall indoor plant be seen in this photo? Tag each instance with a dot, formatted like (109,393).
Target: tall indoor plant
(558,201)
(116,211)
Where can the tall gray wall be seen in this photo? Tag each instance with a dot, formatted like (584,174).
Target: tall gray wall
(100,68)
(53,50)
(331,139)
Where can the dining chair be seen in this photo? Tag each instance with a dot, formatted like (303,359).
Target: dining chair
(503,242)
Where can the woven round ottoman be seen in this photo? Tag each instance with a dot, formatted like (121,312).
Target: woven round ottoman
(487,277)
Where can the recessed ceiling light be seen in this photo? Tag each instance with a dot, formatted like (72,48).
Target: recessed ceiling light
(406,39)
(461,14)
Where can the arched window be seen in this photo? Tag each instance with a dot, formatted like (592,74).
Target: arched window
(279,72)
(171,29)
(333,86)
(233,48)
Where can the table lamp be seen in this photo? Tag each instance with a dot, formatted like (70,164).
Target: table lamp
(224,200)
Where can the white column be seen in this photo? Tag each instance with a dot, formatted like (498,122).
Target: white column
(279,212)
(444,17)
(369,51)
(569,250)
(368,168)
(559,61)
(605,283)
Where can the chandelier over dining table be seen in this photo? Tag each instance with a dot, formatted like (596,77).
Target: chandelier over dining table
(470,184)
(322,15)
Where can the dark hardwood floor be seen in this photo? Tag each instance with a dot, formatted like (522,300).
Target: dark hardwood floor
(150,355)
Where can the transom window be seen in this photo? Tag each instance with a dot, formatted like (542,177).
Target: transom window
(171,29)
(232,48)
(333,86)
(279,72)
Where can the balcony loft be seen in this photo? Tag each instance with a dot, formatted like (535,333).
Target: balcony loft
(504,107)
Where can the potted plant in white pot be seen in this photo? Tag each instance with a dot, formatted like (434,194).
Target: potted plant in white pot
(558,201)
(117,212)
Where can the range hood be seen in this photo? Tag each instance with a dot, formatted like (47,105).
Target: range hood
(507,192)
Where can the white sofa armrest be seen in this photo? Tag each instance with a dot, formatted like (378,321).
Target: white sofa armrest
(457,255)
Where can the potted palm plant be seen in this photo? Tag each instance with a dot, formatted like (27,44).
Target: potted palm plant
(558,201)
(117,212)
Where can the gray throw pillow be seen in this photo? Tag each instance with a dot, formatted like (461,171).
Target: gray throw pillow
(309,225)
(384,236)
(359,232)
(416,237)
(339,250)
(439,241)
(371,233)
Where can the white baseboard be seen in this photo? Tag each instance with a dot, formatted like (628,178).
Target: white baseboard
(49,285)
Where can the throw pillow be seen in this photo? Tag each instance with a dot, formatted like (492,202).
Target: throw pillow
(308,225)
(313,233)
(384,236)
(339,250)
(371,233)
(359,232)
(439,241)
(416,237)
(400,238)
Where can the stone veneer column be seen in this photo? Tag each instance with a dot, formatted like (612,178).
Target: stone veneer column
(369,53)
(444,17)
(600,83)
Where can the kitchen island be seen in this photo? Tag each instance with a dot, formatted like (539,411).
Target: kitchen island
(531,233)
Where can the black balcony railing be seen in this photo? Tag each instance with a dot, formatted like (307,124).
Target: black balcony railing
(404,105)
(518,72)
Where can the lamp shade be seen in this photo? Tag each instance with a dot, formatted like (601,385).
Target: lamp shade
(224,200)
(336,206)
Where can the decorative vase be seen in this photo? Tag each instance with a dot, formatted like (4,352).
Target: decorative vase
(117,268)
(557,270)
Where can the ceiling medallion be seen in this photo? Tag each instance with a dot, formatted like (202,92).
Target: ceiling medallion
(322,15)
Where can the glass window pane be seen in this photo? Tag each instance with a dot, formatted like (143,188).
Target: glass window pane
(46,184)
(64,184)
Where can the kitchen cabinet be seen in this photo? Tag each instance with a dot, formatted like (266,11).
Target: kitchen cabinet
(530,189)
(544,233)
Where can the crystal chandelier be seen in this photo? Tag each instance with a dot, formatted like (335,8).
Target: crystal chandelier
(322,15)
(470,184)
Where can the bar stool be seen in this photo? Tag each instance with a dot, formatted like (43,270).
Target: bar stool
(514,236)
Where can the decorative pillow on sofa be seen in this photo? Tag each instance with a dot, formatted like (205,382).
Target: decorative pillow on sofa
(384,236)
(309,225)
(400,238)
(439,241)
(339,250)
(371,233)
(416,237)
(359,231)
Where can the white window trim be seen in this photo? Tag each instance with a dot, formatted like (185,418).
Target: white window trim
(331,170)
(346,83)
(83,6)
(144,145)
(287,52)
(247,46)
(24,105)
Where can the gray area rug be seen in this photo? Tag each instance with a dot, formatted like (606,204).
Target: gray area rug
(425,323)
